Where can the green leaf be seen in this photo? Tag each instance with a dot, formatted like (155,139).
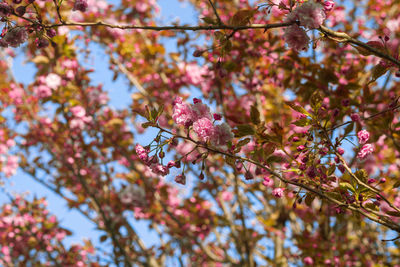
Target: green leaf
(309,199)
(298,108)
(362,175)
(275,158)
(209,20)
(302,122)
(331,170)
(371,206)
(227,45)
(269,148)
(316,101)
(219,35)
(244,129)
(348,129)
(243,142)
(346,185)
(242,17)
(362,50)
(397,184)
(378,71)
(231,161)
(254,115)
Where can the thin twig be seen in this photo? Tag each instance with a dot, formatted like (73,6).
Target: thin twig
(365,119)
(215,12)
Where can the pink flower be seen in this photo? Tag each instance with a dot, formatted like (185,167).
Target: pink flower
(182,114)
(180,179)
(268,182)
(365,151)
(341,168)
(363,136)
(159,169)
(328,5)
(16,36)
(80,118)
(355,117)
(80,5)
(278,192)
(300,148)
(310,14)
(42,91)
(142,153)
(223,134)
(78,111)
(11,167)
(248,175)
(53,81)
(201,110)
(308,261)
(217,117)
(226,196)
(296,37)
(196,100)
(204,128)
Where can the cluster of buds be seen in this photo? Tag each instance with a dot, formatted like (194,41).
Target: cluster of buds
(153,161)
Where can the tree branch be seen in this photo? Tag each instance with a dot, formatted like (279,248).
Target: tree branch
(344,37)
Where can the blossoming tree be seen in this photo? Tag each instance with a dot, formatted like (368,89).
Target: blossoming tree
(288,154)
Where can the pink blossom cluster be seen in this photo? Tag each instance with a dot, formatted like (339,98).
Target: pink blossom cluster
(79,119)
(9,163)
(16,94)
(27,228)
(198,115)
(310,15)
(296,38)
(366,149)
(278,192)
(14,37)
(47,84)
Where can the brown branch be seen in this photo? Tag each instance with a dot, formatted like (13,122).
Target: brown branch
(170,28)
(344,37)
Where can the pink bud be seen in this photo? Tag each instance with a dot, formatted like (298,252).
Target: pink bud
(355,117)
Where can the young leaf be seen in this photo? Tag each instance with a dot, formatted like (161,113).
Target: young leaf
(298,108)
(254,115)
(378,71)
(242,17)
(316,101)
(209,20)
(244,129)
